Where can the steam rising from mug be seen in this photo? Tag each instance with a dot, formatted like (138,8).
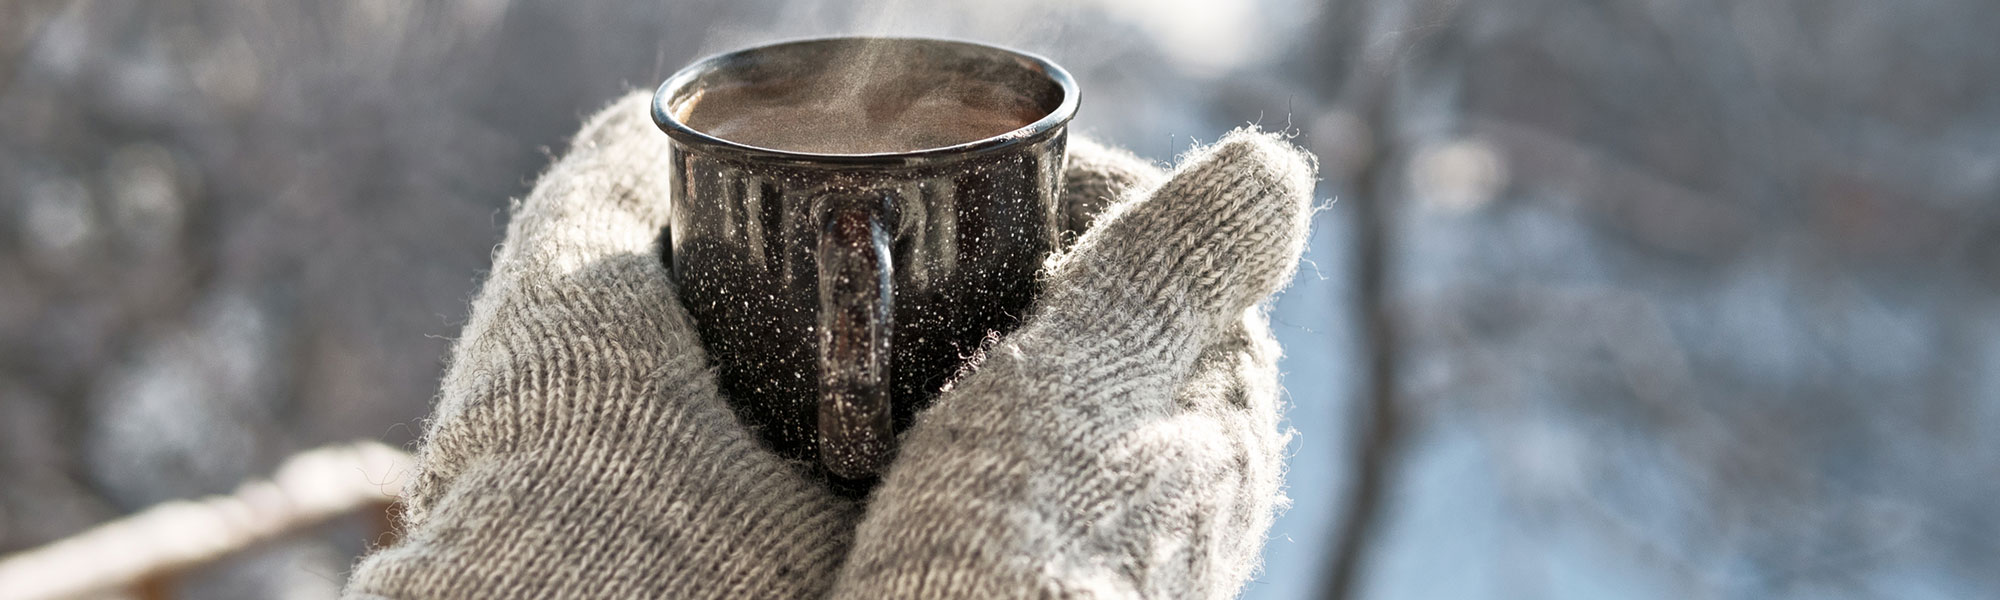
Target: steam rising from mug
(873,100)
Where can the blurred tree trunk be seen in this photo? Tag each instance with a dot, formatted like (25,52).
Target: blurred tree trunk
(1351,82)
(1367,52)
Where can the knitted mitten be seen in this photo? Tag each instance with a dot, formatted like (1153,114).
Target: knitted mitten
(579,448)
(1124,442)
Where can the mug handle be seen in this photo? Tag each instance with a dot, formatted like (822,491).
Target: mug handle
(856,304)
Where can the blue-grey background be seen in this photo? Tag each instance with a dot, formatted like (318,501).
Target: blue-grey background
(1609,299)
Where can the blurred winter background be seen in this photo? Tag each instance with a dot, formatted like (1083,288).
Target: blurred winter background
(1614,299)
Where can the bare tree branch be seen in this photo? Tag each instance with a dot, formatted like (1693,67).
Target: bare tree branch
(308,489)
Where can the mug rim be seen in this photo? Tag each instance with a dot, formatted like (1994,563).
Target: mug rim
(1043,128)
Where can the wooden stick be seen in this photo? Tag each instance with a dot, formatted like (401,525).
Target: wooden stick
(310,488)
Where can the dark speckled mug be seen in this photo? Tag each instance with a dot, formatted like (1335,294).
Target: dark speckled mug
(838,292)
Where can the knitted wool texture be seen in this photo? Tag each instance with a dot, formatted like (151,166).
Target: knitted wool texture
(1124,442)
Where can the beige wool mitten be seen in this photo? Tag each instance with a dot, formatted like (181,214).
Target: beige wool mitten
(580,448)
(1123,443)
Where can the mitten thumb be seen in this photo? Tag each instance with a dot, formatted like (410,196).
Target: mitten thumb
(1222,233)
